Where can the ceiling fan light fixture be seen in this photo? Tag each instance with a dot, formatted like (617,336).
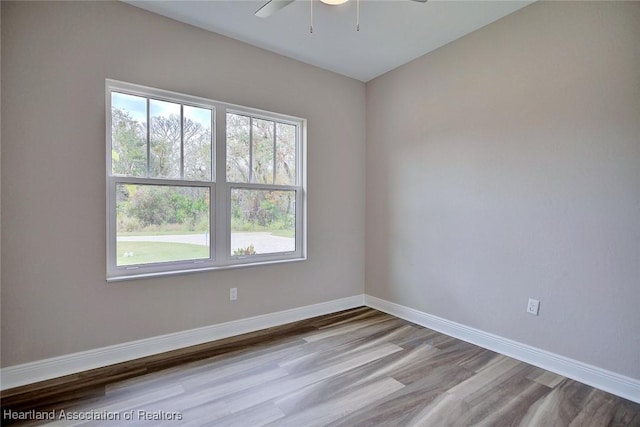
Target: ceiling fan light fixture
(334,2)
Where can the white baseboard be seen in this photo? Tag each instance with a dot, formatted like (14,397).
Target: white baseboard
(620,385)
(28,373)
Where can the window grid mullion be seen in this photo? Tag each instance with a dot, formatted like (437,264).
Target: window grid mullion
(275,137)
(148,139)
(214,147)
(250,149)
(181,141)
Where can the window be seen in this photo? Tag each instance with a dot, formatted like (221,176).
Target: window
(195,184)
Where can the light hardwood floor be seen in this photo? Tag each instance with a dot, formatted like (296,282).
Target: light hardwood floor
(357,368)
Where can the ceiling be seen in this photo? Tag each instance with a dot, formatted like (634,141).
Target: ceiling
(392,32)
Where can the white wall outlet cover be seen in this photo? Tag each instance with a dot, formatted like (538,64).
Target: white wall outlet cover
(533,307)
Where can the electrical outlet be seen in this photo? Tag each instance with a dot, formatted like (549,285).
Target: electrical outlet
(533,306)
(233,294)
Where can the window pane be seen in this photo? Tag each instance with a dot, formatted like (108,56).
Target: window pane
(128,135)
(197,127)
(164,135)
(263,151)
(158,223)
(285,154)
(237,148)
(262,221)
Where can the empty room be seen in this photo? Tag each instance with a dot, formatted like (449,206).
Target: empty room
(320,213)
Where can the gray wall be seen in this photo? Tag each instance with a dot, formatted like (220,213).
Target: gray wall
(506,165)
(56,56)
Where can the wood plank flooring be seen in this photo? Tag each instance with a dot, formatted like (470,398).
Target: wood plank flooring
(360,367)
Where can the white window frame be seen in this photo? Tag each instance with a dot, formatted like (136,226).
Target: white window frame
(219,188)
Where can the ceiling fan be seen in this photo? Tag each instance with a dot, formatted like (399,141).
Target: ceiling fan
(272,6)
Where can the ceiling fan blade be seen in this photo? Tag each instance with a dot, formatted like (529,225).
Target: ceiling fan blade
(271,7)
(420,1)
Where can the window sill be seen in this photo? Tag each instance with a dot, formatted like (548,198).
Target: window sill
(200,270)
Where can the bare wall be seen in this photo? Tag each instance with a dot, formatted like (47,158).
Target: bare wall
(56,56)
(506,165)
